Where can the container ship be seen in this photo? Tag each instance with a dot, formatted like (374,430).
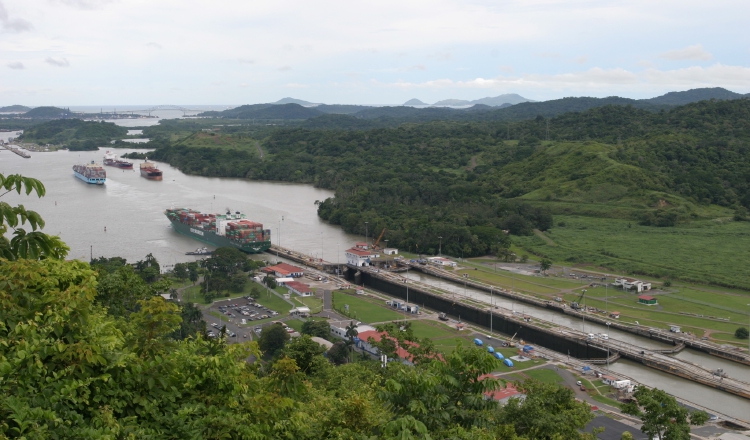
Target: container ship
(113,160)
(149,171)
(222,230)
(90,173)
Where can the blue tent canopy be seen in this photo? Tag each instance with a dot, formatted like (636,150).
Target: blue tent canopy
(499,355)
(490,349)
(478,342)
(508,362)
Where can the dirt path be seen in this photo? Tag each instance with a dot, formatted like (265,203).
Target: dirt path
(541,235)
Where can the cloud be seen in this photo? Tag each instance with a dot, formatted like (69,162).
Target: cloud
(86,4)
(442,56)
(12,25)
(693,53)
(154,45)
(243,84)
(646,63)
(16,66)
(284,68)
(62,62)
(583,59)
(296,86)
(506,69)
(600,79)
(414,67)
(245,61)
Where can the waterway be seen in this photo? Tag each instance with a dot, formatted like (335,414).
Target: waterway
(726,403)
(131,208)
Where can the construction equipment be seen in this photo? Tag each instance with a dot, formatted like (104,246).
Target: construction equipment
(576,305)
(442,317)
(511,343)
(375,245)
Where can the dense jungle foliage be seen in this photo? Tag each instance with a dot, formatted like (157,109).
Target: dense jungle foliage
(467,182)
(74,134)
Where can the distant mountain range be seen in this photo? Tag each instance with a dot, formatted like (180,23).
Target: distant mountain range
(497,101)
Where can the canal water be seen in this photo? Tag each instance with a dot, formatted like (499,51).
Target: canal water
(131,208)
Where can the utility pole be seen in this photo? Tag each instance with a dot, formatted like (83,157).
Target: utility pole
(491,310)
(440,247)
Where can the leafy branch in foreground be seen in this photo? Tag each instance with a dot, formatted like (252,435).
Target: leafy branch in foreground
(35,244)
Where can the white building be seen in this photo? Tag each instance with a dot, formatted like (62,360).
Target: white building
(390,251)
(301,312)
(440,261)
(630,283)
(338,329)
(359,255)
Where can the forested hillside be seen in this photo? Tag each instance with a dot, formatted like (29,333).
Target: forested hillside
(74,134)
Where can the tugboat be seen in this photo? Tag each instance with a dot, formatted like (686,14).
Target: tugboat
(149,171)
(200,251)
(113,160)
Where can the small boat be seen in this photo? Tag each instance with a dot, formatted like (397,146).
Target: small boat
(200,251)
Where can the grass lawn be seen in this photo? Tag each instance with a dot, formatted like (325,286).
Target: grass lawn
(701,250)
(274,303)
(544,375)
(606,400)
(295,324)
(362,309)
(432,330)
(315,304)
(450,344)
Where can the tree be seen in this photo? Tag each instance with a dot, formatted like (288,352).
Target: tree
(626,436)
(154,323)
(741,333)
(121,290)
(273,339)
(548,411)
(31,245)
(524,258)
(545,264)
(193,272)
(307,353)
(338,353)
(181,271)
(148,269)
(662,416)
(320,329)
(270,282)
(255,292)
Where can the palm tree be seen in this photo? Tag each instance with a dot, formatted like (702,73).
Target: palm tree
(351,333)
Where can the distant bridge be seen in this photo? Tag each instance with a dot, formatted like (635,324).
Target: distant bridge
(155,108)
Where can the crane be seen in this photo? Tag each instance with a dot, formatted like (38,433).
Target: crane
(375,245)
(510,343)
(576,305)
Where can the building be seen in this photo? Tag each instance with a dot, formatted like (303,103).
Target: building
(284,270)
(647,300)
(502,395)
(400,305)
(615,315)
(323,342)
(440,261)
(632,284)
(338,328)
(300,289)
(675,329)
(390,251)
(362,343)
(283,281)
(360,256)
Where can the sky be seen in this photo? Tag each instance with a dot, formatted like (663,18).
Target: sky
(213,52)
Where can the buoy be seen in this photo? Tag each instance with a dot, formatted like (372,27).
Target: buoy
(105,229)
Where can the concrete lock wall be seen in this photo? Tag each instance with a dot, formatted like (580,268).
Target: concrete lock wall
(480,317)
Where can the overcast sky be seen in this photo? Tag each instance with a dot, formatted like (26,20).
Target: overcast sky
(92,52)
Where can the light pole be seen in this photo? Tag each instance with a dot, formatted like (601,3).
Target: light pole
(748,338)
(367,234)
(583,311)
(608,345)
(440,247)
(491,311)
(338,260)
(407,286)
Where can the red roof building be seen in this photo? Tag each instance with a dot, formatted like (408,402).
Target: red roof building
(285,270)
(502,394)
(301,289)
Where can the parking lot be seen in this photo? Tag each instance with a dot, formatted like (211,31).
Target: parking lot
(234,311)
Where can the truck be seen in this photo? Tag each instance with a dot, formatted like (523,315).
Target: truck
(443,317)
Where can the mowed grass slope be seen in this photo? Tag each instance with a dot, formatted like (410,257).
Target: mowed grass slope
(706,251)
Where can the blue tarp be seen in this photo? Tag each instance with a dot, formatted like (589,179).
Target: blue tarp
(586,368)
(490,349)
(528,348)
(499,355)
(478,342)
(508,362)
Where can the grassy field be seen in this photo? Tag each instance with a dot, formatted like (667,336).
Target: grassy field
(432,330)
(362,309)
(315,304)
(544,375)
(711,251)
(275,303)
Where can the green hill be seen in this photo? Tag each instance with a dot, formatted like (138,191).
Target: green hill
(48,113)
(266,111)
(74,134)
(14,109)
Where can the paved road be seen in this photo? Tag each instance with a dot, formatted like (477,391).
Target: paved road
(613,429)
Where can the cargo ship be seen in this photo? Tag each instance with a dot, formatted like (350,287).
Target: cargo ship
(113,160)
(90,173)
(149,171)
(222,230)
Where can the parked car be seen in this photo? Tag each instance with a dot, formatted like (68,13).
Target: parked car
(579,383)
